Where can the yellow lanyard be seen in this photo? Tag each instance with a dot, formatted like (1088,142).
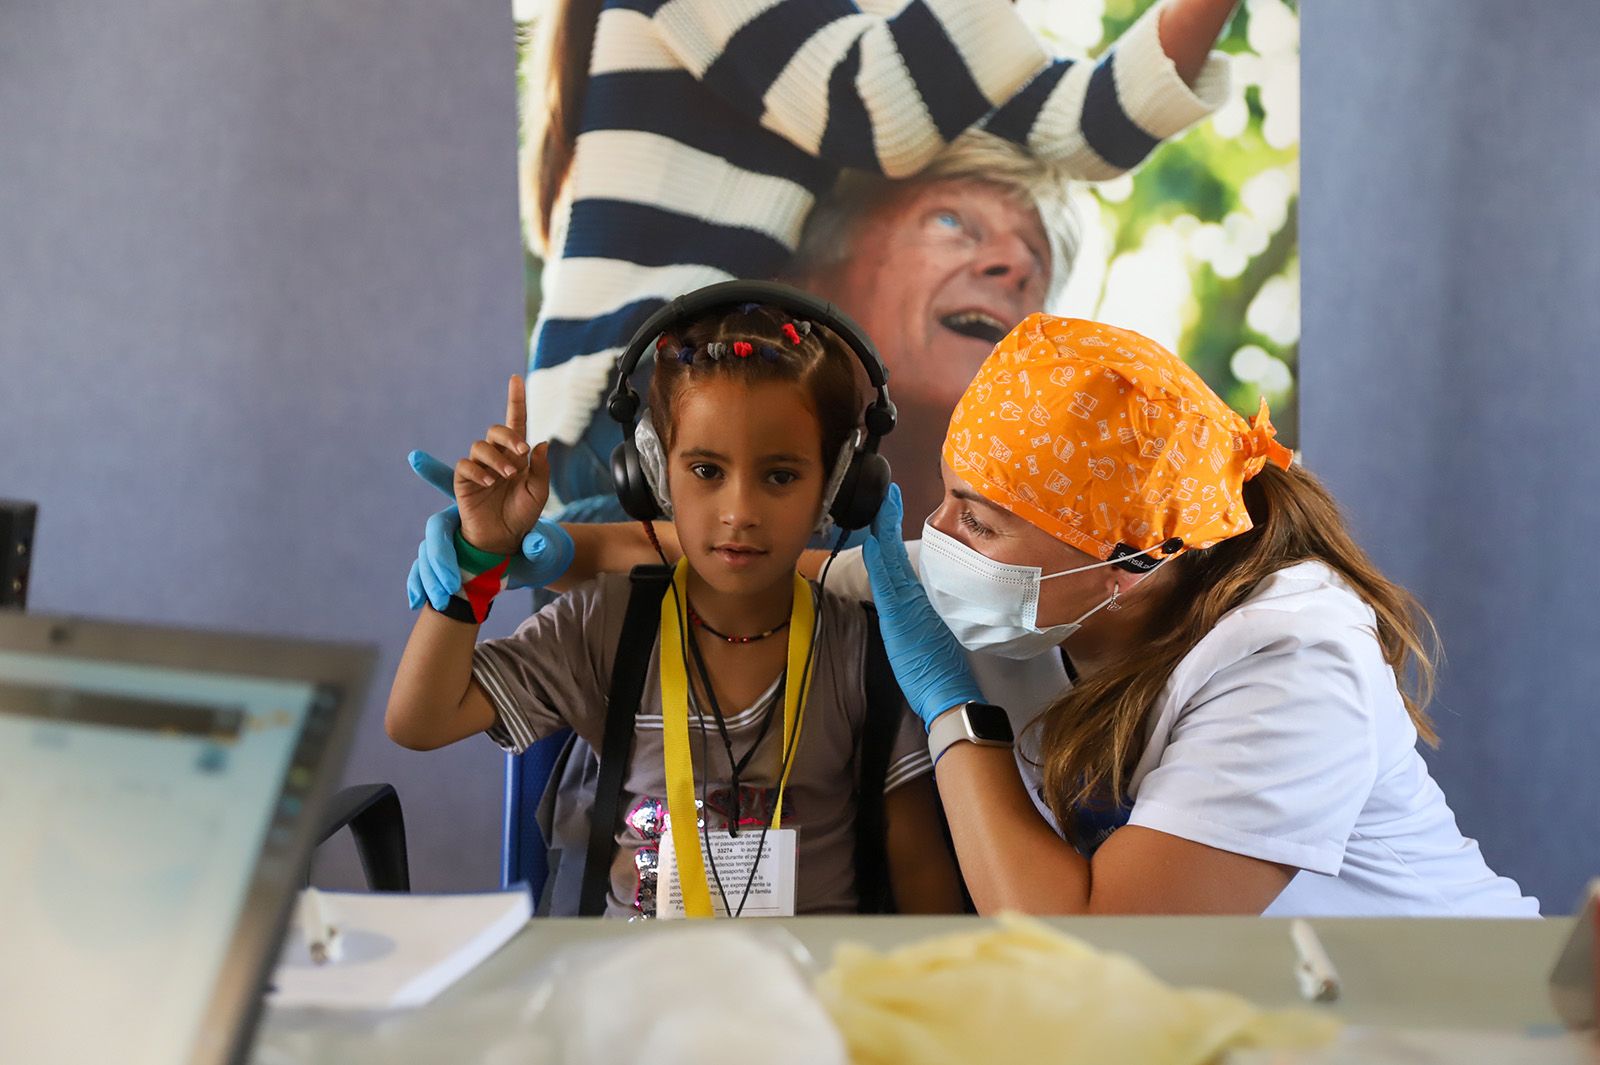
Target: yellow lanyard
(675,740)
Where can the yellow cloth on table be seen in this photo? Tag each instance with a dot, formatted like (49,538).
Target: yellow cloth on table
(1023,993)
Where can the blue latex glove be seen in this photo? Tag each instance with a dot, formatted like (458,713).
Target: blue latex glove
(928,662)
(546,551)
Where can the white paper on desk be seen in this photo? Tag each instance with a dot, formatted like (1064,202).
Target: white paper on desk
(399,950)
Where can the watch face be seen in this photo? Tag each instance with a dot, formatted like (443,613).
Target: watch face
(989,722)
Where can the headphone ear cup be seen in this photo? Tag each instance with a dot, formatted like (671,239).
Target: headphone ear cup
(861,493)
(633,489)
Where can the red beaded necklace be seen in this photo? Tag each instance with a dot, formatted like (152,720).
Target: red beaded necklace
(700,623)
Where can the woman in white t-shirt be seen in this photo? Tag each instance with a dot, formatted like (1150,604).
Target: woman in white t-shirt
(1232,669)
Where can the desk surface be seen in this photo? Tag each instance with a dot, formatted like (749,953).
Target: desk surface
(1434,973)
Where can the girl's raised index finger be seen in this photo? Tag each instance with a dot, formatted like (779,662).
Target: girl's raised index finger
(517,406)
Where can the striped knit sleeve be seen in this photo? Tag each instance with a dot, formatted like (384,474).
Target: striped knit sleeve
(887,93)
(858,89)
(1098,120)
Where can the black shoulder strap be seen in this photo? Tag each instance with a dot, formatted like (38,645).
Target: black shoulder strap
(628,669)
(884,703)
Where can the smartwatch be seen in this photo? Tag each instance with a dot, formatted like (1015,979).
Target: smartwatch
(984,724)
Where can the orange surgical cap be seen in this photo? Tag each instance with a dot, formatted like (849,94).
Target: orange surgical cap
(1106,440)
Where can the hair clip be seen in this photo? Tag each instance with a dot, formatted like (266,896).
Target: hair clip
(749,308)
(791,332)
(716,350)
(770,353)
(742,348)
(805,328)
(686,354)
(661,342)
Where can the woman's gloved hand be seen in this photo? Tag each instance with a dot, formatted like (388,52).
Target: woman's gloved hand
(928,662)
(435,575)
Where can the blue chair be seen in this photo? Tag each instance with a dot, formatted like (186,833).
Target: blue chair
(523,848)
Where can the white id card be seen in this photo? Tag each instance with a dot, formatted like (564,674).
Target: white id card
(771,889)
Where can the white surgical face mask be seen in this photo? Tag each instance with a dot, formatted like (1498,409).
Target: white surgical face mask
(993,606)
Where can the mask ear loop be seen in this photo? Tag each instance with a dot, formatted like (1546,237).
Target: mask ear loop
(1116,589)
(1171,547)
(1113,601)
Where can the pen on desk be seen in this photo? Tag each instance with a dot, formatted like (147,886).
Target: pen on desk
(1318,979)
(322,935)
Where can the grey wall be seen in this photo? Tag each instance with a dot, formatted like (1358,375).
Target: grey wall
(1450,366)
(250,253)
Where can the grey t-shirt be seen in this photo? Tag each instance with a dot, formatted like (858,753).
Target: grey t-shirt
(554,672)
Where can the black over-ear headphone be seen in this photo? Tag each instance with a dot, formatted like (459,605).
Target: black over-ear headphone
(866,479)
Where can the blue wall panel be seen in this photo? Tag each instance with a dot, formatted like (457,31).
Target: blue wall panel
(250,253)
(1451,379)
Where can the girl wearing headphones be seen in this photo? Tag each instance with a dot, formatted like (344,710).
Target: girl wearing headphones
(753,707)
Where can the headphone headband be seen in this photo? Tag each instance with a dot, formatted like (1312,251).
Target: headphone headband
(623,404)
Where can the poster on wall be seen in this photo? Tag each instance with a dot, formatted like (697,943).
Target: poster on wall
(936,177)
